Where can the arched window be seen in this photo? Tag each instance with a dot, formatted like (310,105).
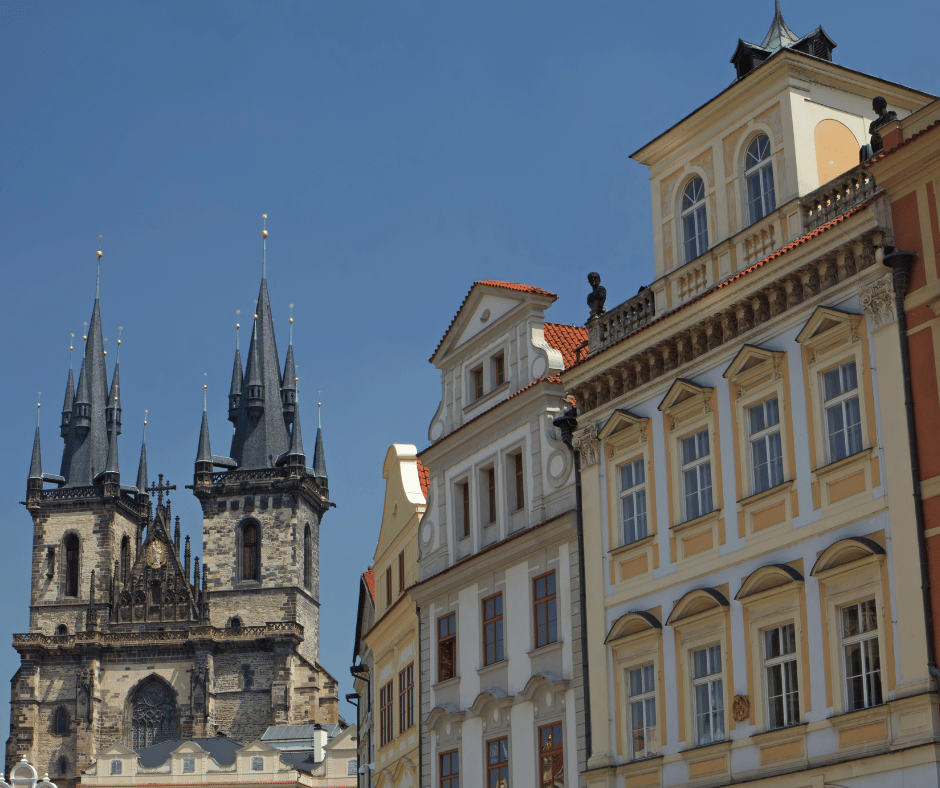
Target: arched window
(153,715)
(235,623)
(61,629)
(71,565)
(251,564)
(60,723)
(62,765)
(125,559)
(308,558)
(694,224)
(759,175)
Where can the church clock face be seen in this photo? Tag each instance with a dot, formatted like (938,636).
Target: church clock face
(156,554)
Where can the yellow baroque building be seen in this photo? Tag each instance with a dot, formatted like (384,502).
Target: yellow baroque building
(753,578)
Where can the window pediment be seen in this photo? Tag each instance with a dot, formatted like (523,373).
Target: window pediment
(767,578)
(543,681)
(752,362)
(623,427)
(439,716)
(630,624)
(846,551)
(686,397)
(828,327)
(695,603)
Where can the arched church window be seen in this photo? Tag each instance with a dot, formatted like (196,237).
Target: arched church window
(250,558)
(61,629)
(60,724)
(125,558)
(694,225)
(71,565)
(308,558)
(153,715)
(62,765)
(759,174)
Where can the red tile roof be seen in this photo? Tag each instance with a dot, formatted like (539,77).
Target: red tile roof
(933,126)
(424,476)
(567,339)
(369,577)
(491,283)
(734,277)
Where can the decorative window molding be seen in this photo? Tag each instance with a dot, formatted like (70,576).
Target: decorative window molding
(760,194)
(693,217)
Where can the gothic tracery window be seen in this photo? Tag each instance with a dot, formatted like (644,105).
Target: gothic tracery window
(125,559)
(61,722)
(250,562)
(71,565)
(153,715)
(308,549)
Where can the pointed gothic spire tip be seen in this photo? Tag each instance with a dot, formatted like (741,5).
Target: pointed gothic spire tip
(98,278)
(264,241)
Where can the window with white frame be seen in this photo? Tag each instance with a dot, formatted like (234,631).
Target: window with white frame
(860,655)
(642,711)
(843,412)
(780,672)
(759,177)
(696,475)
(766,450)
(708,695)
(189,765)
(694,224)
(633,501)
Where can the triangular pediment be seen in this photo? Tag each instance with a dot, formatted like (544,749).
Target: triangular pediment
(749,358)
(116,751)
(684,392)
(826,322)
(620,421)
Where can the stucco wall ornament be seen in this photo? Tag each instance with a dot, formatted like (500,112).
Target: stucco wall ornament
(878,300)
(740,708)
(588,446)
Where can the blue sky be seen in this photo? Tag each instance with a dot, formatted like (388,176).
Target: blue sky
(401,150)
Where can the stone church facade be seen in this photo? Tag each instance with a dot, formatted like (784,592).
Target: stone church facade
(130,640)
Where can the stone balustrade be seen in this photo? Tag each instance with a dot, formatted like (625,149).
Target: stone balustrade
(836,197)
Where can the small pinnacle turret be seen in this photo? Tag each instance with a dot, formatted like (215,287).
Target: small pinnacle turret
(204,452)
(114,400)
(35,463)
(319,458)
(288,386)
(295,455)
(142,466)
(235,391)
(67,405)
(112,467)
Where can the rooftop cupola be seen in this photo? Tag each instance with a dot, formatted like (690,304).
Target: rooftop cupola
(289,378)
(235,391)
(69,398)
(113,410)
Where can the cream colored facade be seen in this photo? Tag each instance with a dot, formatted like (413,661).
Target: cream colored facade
(753,589)
(393,639)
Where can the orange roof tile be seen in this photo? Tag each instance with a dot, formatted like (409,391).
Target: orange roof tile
(424,476)
(491,283)
(734,277)
(567,339)
(369,577)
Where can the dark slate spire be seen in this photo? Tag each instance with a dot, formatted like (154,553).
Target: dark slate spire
(260,435)
(204,453)
(297,441)
(779,35)
(86,444)
(113,465)
(289,386)
(35,463)
(114,397)
(67,405)
(319,457)
(142,467)
(235,392)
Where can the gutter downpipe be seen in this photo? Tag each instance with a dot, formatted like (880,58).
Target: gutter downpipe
(900,264)
(420,732)
(567,423)
(360,671)
(349,699)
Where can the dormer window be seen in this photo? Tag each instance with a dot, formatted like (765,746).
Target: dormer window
(759,175)
(694,227)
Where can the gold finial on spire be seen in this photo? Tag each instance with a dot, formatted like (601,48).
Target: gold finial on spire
(120,329)
(264,240)
(85,331)
(106,346)
(145,426)
(204,387)
(71,348)
(319,405)
(98,279)
(290,337)
(237,326)
(38,406)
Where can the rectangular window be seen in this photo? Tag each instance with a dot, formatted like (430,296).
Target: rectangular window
(401,571)
(520,481)
(463,493)
(257,763)
(116,767)
(843,414)
(551,757)
(633,501)
(545,612)
(189,765)
(386,704)
(493,629)
(351,768)
(642,711)
(388,586)
(783,696)
(697,475)
(861,657)
(450,769)
(406,698)
(491,495)
(497,763)
(477,383)
(766,452)
(447,647)
(499,370)
(708,695)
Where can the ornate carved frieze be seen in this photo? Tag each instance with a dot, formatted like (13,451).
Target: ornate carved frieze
(588,445)
(878,300)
